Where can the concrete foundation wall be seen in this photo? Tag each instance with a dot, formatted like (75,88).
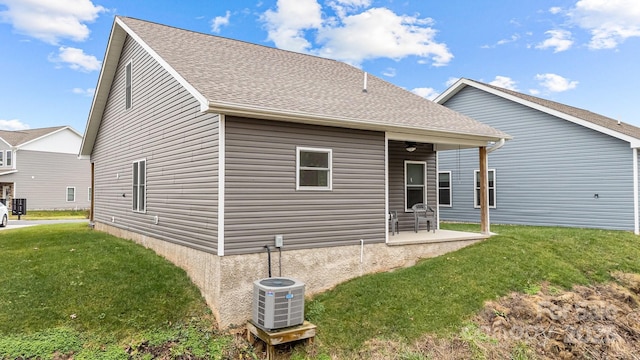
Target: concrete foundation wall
(227,282)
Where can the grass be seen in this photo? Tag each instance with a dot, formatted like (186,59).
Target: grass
(67,288)
(52,215)
(439,295)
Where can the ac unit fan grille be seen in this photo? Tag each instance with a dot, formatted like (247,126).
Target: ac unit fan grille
(276,308)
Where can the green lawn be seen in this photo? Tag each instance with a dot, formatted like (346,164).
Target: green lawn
(67,289)
(439,295)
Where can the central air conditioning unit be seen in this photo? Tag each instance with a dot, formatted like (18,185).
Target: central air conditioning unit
(278,303)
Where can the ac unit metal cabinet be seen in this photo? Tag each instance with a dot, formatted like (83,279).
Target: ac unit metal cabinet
(278,303)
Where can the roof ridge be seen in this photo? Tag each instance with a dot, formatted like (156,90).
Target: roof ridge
(235,40)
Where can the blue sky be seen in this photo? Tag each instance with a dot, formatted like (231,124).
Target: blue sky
(582,53)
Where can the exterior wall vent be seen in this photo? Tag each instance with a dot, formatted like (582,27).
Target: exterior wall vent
(278,303)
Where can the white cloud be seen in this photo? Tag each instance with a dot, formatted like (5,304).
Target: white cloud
(511,39)
(534,91)
(76,59)
(354,35)
(389,72)
(610,22)
(85,92)
(555,10)
(504,82)
(13,125)
(427,93)
(220,21)
(286,25)
(555,83)
(559,40)
(51,21)
(451,81)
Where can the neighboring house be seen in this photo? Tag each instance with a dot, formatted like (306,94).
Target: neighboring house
(205,148)
(42,166)
(565,166)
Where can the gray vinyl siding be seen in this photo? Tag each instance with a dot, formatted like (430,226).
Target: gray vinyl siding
(180,145)
(43,178)
(260,192)
(397,157)
(548,174)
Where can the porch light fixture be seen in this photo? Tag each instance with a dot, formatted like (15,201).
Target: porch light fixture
(410,146)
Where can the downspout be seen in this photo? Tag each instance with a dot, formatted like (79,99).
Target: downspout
(496,146)
(636,216)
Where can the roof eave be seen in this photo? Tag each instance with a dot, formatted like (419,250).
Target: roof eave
(406,133)
(48,134)
(107,73)
(462,83)
(119,32)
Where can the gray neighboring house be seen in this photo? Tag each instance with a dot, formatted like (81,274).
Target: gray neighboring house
(205,148)
(42,166)
(565,166)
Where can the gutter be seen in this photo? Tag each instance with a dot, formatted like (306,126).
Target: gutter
(496,146)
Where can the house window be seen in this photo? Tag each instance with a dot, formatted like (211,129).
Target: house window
(444,188)
(313,169)
(492,188)
(71,194)
(1,158)
(415,183)
(139,186)
(9,158)
(128,85)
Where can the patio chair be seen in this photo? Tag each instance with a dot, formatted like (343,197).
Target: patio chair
(393,219)
(423,213)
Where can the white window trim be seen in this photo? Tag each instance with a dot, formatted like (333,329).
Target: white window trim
(329,186)
(66,195)
(495,189)
(7,158)
(450,189)
(130,96)
(2,159)
(405,182)
(144,210)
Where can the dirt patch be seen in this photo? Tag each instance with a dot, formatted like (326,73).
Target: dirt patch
(589,322)
(596,322)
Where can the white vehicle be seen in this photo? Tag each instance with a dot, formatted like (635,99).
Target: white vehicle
(4,215)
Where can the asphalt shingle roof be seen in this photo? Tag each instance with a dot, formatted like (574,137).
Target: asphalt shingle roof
(582,114)
(228,71)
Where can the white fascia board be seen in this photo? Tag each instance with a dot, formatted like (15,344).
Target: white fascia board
(204,103)
(9,172)
(395,132)
(119,33)
(49,134)
(4,141)
(105,80)
(462,83)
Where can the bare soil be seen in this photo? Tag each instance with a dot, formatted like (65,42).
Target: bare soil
(588,322)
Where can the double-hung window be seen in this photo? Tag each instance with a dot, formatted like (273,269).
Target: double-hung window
(444,188)
(71,194)
(9,158)
(492,188)
(128,87)
(415,183)
(313,169)
(1,158)
(139,186)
